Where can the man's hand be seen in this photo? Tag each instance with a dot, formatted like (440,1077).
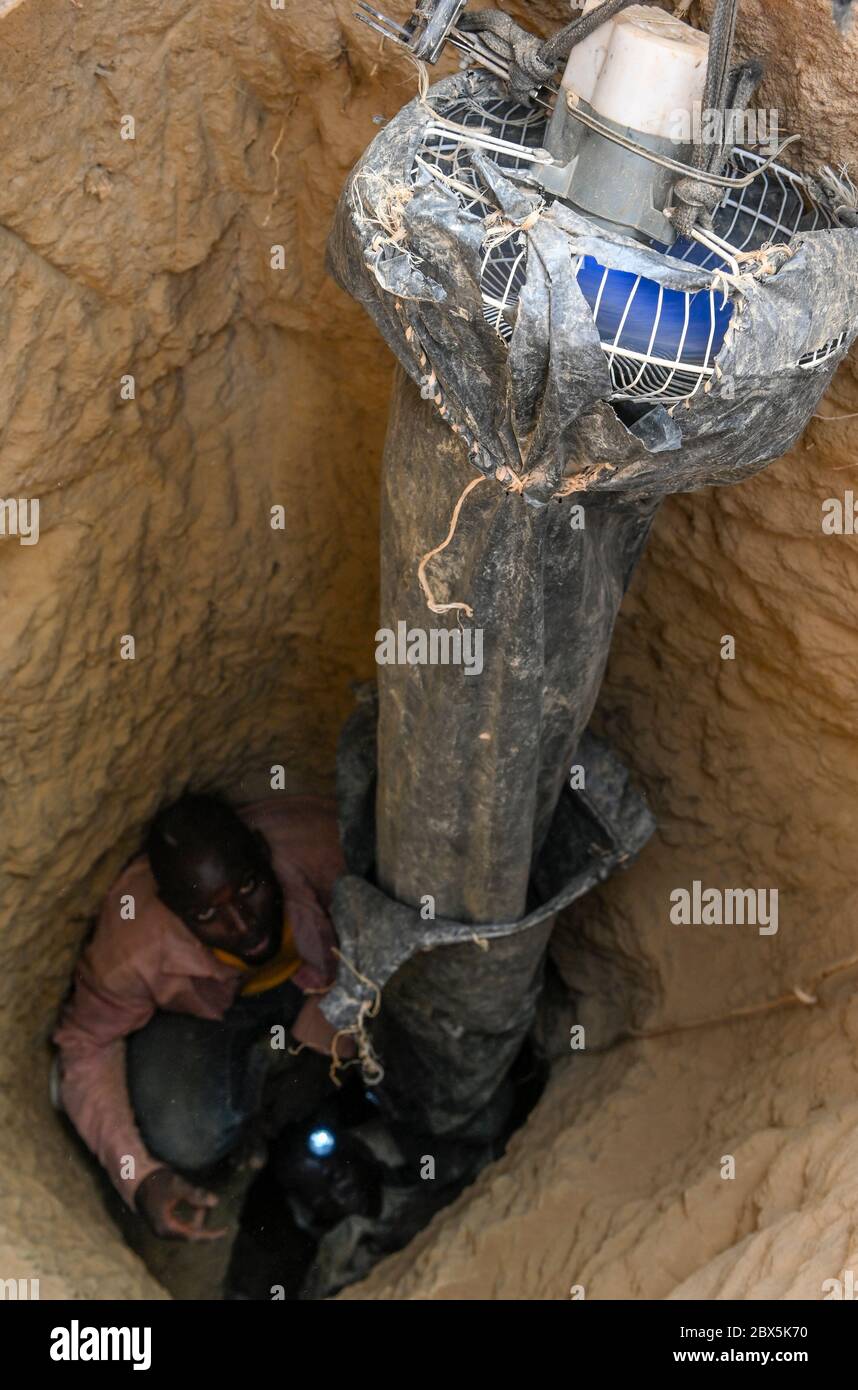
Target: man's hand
(313,1029)
(161,1194)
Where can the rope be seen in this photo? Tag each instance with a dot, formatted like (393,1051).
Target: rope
(558,48)
(514,46)
(797,995)
(430,555)
(722,34)
(695,200)
(371,1068)
(839,189)
(533,61)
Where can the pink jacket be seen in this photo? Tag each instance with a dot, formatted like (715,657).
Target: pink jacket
(133,967)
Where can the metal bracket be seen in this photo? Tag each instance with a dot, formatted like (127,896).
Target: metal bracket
(424,34)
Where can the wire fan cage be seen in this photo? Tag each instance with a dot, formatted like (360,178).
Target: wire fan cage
(661,344)
(449,154)
(773,208)
(822,354)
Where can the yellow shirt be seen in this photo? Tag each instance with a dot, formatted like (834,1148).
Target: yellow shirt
(274,972)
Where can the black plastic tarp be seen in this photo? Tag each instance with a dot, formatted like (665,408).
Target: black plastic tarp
(471,767)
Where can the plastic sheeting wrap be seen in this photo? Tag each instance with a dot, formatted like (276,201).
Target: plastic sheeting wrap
(465,1025)
(458,805)
(540,408)
(472,808)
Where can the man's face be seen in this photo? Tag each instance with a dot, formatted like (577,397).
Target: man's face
(229,897)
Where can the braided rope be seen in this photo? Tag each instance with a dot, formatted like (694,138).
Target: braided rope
(696,200)
(533,61)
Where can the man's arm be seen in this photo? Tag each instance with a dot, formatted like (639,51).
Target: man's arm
(91,1038)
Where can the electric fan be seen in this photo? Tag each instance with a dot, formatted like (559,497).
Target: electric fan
(603,310)
(661,344)
(622,264)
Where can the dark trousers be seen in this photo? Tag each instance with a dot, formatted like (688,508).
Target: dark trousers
(194,1084)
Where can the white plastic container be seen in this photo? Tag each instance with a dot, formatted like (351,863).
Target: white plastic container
(643,69)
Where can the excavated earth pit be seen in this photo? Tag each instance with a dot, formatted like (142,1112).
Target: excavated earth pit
(259,387)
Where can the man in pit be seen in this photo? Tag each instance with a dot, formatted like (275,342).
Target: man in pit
(211,948)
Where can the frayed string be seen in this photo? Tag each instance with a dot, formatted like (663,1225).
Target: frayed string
(371,1068)
(807,998)
(388,201)
(840,190)
(430,555)
(500,228)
